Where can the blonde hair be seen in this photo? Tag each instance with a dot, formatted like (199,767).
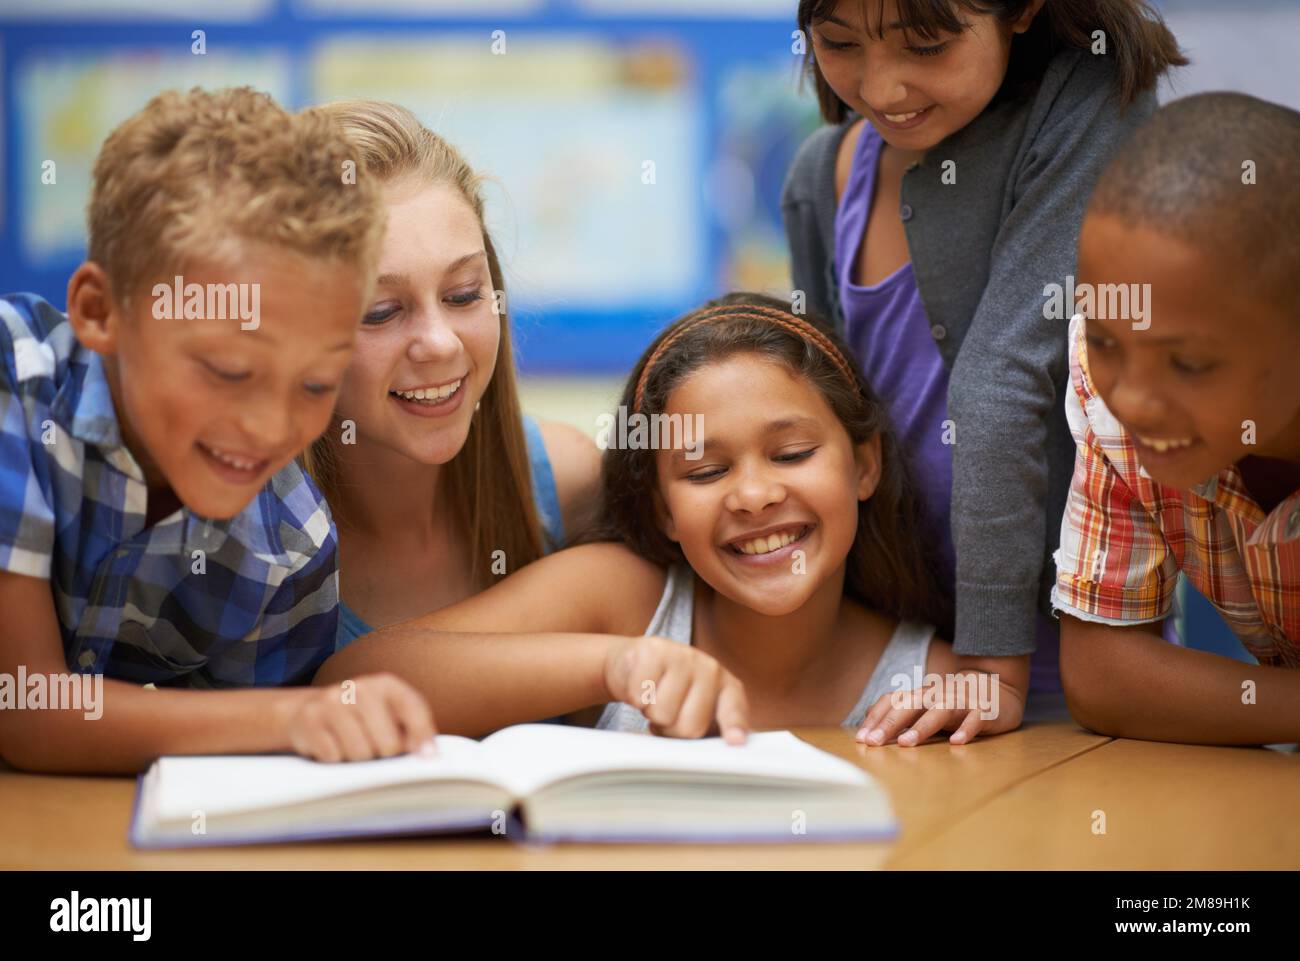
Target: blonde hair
(199,174)
(488,483)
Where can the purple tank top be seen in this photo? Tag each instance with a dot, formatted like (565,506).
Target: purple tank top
(886,326)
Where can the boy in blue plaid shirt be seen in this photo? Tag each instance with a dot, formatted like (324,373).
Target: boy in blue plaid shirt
(154,525)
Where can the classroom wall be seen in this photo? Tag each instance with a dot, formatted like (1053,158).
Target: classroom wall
(566,103)
(636,148)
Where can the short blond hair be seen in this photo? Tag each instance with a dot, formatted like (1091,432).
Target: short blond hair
(198,174)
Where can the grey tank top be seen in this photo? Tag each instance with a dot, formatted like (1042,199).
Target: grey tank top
(907,649)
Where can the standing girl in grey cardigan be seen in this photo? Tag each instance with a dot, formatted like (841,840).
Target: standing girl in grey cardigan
(931,220)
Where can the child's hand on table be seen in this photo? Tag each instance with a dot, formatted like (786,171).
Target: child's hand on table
(681,691)
(916,715)
(376,715)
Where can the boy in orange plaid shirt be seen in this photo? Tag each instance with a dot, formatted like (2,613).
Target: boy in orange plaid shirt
(1187,423)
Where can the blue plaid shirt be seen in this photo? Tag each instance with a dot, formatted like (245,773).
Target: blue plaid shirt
(259,606)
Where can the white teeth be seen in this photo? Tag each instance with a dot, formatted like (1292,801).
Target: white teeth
(1161,445)
(430,394)
(230,459)
(766,545)
(902,117)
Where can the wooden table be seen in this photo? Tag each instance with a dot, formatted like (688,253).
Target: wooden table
(1020,800)
(1162,807)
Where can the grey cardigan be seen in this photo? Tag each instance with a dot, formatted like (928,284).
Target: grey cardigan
(983,249)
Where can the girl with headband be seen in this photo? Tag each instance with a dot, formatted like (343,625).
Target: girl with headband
(786,544)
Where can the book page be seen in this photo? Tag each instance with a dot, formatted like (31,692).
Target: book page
(226,784)
(527,757)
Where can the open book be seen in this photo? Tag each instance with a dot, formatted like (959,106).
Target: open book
(543,782)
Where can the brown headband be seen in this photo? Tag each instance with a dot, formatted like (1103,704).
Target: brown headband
(780,318)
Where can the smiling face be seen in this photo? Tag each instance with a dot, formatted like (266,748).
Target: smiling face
(428,341)
(914,91)
(211,410)
(779,474)
(1214,369)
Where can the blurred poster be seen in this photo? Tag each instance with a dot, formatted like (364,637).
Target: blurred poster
(762,120)
(68,103)
(749,9)
(195,11)
(593,149)
(416,8)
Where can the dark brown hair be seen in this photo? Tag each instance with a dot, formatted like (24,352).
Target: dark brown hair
(889,569)
(1137,39)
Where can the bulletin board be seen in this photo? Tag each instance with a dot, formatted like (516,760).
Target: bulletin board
(634,150)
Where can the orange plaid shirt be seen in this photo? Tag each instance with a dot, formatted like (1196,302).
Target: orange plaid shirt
(1124,538)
